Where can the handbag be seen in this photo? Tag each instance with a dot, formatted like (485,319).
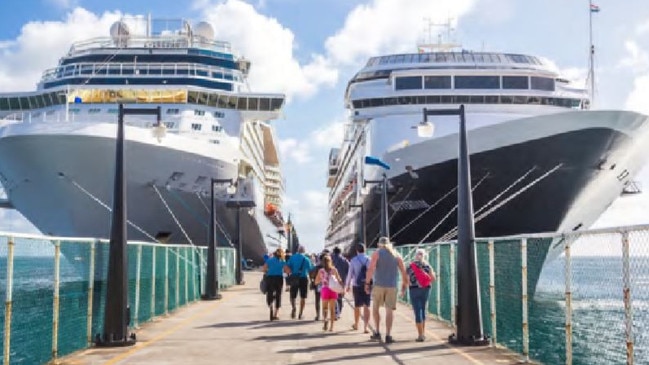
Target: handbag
(335,285)
(294,279)
(263,285)
(423,279)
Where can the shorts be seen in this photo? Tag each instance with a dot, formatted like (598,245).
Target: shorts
(384,296)
(361,298)
(328,294)
(302,287)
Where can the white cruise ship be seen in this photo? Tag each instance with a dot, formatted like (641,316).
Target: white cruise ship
(541,160)
(57,144)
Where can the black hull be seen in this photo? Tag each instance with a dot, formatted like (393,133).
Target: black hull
(541,208)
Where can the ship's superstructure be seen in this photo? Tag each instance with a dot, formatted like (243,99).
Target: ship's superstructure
(541,160)
(57,143)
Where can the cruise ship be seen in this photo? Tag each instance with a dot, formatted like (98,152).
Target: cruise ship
(541,159)
(57,144)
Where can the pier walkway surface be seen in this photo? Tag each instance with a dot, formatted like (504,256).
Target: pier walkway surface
(236,330)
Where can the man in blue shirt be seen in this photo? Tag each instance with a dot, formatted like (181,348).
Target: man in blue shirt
(299,265)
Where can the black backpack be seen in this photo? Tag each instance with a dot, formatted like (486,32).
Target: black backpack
(360,279)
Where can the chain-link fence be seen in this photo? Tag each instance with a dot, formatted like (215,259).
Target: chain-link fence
(54,290)
(578,298)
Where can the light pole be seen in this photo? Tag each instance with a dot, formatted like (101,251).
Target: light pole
(468,313)
(212,277)
(361,232)
(385,224)
(242,199)
(116,311)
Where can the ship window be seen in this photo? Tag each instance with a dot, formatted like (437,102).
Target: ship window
(276,104)
(213,99)
(192,97)
(38,101)
(24,102)
(264,104)
(13,104)
(242,104)
(199,113)
(462,99)
(196,126)
(437,82)
(491,99)
(232,102)
(432,99)
(253,103)
(407,83)
(202,99)
(376,102)
(516,82)
(520,99)
(448,99)
(505,99)
(542,83)
(218,114)
(477,82)
(476,99)
(173,111)
(4,103)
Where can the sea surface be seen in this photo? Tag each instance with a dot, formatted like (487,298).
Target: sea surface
(598,311)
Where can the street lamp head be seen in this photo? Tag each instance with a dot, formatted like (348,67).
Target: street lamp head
(425,129)
(231,189)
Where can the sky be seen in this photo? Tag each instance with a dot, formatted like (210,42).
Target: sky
(309,49)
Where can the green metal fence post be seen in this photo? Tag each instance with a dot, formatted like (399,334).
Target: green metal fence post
(153,281)
(177,277)
(568,274)
(526,334)
(492,292)
(55,304)
(8,300)
(91,291)
(166,292)
(138,277)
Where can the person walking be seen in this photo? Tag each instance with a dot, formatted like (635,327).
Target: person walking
(421,276)
(356,283)
(342,266)
(299,267)
(384,267)
(274,269)
(326,276)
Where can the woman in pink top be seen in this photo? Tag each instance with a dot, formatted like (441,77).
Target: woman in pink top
(328,296)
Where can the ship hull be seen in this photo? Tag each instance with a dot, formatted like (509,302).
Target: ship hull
(559,177)
(61,179)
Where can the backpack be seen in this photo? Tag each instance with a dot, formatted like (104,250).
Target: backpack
(360,279)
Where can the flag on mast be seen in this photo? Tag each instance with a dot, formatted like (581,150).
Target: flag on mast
(594,8)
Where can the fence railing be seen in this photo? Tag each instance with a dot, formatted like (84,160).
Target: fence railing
(54,290)
(576,298)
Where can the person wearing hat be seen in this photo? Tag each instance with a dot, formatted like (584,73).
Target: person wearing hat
(385,265)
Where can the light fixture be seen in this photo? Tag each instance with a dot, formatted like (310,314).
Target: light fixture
(231,189)
(412,173)
(425,129)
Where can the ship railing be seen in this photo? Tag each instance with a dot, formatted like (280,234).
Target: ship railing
(54,287)
(139,70)
(155,42)
(586,292)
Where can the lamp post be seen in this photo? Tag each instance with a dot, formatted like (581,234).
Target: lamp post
(212,277)
(385,224)
(242,199)
(468,313)
(361,232)
(116,311)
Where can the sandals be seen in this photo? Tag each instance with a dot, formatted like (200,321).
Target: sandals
(354,327)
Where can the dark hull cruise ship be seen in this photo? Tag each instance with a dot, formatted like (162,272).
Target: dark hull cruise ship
(57,144)
(541,160)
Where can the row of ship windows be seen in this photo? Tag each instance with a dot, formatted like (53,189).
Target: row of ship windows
(474,82)
(90,96)
(455,57)
(469,99)
(170,111)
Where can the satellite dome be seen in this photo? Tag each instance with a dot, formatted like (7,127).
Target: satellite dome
(119,30)
(205,30)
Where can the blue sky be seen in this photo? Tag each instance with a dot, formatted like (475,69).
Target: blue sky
(309,49)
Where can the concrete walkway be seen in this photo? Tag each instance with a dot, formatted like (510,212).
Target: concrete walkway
(236,330)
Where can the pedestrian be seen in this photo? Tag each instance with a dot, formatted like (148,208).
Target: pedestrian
(299,266)
(326,276)
(421,276)
(274,268)
(342,265)
(316,288)
(384,267)
(356,282)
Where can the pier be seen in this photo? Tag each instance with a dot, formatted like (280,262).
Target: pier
(236,330)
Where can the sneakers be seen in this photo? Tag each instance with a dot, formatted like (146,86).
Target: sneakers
(375,336)
(389,339)
(421,338)
(317,318)
(293,313)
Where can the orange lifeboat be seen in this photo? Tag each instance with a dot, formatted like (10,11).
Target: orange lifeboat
(270,209)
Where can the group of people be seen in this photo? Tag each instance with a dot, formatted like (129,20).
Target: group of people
(371,280)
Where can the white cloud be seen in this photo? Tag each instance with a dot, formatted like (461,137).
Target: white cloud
(309,212)
(292,149)
(41,44)
(330,135)
(269,46)
(385,26)
(637,99)
(637,58)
